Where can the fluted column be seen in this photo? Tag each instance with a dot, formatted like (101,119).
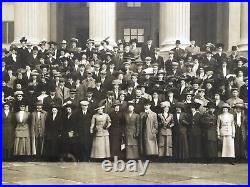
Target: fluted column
(174,24)
(32,20)
(244,27)
(102,21)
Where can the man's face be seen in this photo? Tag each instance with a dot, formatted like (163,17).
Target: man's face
(177,45)
(195,86)
(219,49)
(53,93)
(131,108)
(149,42)
(189,98)
(84,107)
(6,107)
(117,107)
(23,44)
(35,52)
(202,93)
(138,93)
(69,110)
(155,95)
(235,93)
(192,42)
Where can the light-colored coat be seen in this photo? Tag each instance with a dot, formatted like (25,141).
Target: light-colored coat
(148,134)
(226,132)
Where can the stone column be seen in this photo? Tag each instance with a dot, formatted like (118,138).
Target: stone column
(243,46)
(102,21)
(174,24)
(32,20)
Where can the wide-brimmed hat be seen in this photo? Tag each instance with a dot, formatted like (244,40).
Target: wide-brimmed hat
(210,105)
(239,105)
(195,105)
(225,105)
(83,102)
(165,104)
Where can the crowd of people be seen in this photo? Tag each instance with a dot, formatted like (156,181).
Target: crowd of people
(69,101)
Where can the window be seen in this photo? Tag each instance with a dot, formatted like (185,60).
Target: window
(134,33)
(133,4)
(7,32)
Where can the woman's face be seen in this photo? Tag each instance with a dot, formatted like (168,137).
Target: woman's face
(6,107)
(122,97)
(166,109)
(22,108)
(19,97)
(19,75)
(100,110)
(69,110)
(225,110)
(131,108)
(240,74)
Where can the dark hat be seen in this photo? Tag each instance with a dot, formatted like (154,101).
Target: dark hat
(210,105)
(54,105)
(157,49)
(201,90)
(218,45)
(142,86)
(105,41)
(35,48)
(52,42)
(234,89)
(52,89)
(179,105)
(236,71)
(197,81)
(23,39)
(147,102)
(100,106)
(7,103)
(161,71)
(243,59)
(158,91)
(211,81)
(234,48)
(90,41)
(69,105)
(172,90)
(44,66)
(177,42)
(116,103)
(133,41)
(189,93)
(39,103)
(110,93)
(131,103)
(209,69)
(22,103)
(195,105)
(90,90)
(225,105)
(171,52)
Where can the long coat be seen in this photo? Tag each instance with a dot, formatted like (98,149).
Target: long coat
(83,123)
(195,136)
(116,132)
(240,136)
(8,128)
(148,133)
(180,148)
(132,124)
(53,132)
(226,132)
(37,132)
(62,94)
(210,138)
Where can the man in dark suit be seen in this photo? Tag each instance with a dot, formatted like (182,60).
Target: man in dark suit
(34,59)
(147,50)
(178,52)
(168,62)
(51,100)
(83,121)
(220,55)
(158,59)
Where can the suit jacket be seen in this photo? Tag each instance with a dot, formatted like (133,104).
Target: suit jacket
(146,52)
(209,125)
(165,124)
(192,50)
(48,102)
(181,126)
(178,53)
(62,94)
(53,128)
(8,130)
(195,125)
(159,61)
(117,123)
(83,123)
(244,93)
(168,64)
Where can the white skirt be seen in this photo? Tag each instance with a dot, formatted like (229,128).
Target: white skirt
(228,147)
(100,147)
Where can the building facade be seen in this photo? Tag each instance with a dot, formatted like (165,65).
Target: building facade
(164,22)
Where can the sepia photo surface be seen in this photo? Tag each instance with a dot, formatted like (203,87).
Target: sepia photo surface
(124,93)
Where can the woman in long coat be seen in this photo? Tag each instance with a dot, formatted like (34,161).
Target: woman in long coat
(99,126)
(8,132)
(226,132)
(131,132)
(53,132)
(22,146)
(166,122)
(116,130)
(210,138)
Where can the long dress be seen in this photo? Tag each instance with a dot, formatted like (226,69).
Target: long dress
(100,145)
(226,130)
(8,135)
(22,145)
(165,134)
